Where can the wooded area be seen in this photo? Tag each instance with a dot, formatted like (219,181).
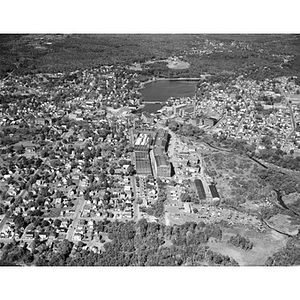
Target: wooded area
(141,244)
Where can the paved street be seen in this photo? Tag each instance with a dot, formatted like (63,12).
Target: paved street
(74,224)
(2,223)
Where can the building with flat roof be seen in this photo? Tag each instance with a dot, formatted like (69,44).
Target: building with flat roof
(147,117)
(142,163)
(214,191)
(143,142)
(200,189)
(161,165)
(162,139)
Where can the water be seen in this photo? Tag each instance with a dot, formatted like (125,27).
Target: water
(161,91)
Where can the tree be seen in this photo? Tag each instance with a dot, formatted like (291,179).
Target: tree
(21,150)
(65,248)
(173,125)
(131,171)
(57,223)
(185,197)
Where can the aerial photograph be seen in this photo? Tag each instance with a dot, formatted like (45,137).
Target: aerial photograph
(149,150)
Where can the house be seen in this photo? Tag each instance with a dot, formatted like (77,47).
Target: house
(77,236)
(44,236)
(40,121)
(147,118)
(29,235)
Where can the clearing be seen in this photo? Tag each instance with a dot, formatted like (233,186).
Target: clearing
(264,245)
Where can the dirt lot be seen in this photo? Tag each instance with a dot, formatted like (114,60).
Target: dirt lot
(177,64)
(264,245)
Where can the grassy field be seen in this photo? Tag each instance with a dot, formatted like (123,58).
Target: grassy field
(264,245)
(178,65)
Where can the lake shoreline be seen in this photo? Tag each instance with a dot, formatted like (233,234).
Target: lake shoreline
(142,84)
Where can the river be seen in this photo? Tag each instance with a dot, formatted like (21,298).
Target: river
(160,91)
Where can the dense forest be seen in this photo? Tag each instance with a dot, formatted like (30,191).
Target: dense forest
(255,56)
(288,256)
(241,242)
(132,244)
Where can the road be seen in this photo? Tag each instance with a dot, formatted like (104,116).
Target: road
(2,223)
(74,224)
(136,209)
(239,125)
(292,119)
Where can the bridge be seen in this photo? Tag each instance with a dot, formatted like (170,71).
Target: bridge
(153,102)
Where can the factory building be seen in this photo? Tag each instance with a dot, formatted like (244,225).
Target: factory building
(214,192)
(208,122)
(142,163)
(177,108)
(200,190)
(162,139)
(162,167)
(141,151)
(160,162)
(147,117)
(142,142)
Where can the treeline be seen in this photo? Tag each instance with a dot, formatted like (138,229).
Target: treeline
(280,158)
(241,242)
(185,129)
(132,244)
(287,256)
(286,183)
(270,155)
(157,209)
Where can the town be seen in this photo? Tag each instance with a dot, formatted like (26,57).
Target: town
(75,153)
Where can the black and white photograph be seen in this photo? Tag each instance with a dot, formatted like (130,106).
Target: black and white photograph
(149,148)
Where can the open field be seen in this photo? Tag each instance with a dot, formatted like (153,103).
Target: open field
(177,64)
(284,224)
(264,245)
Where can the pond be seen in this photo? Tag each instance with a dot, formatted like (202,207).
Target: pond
(160,91)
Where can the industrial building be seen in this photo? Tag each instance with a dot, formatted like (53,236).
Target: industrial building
(161,165)
(162,139)
(214,192)
(177,108)
(141,151)
(147,117)
(143,142)
(142,163)
(200,189)
(160,162)
(208,122)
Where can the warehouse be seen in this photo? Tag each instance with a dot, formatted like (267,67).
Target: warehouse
(200,189)
(162,140)
(142,163)
(214,191)
(143,142)
(162,166)
(143,168)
